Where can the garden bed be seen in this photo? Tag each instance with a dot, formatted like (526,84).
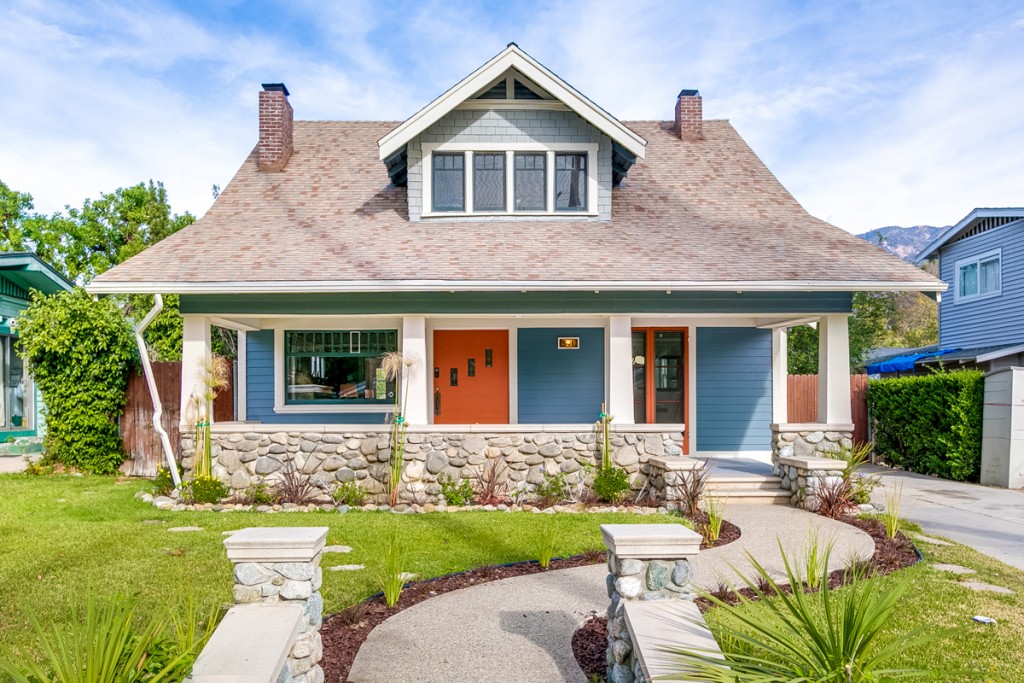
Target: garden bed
(344,633)
(590,641)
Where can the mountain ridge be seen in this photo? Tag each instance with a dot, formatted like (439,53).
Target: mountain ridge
(905,242)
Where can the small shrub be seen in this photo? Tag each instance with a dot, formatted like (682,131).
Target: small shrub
(163,482)
(611,484)
(491,489)
(354,615)
(816,558)
(256,493)
(546,545)
(715,511)
(834,497)
(764,585)
(694,484)
(891,515)
(349,493)
(455,493)
(206,490)
(552,491)
(294,487)
(40,468)
(861,486)
(722,591)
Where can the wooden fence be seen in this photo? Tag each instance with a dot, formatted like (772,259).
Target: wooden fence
(141,441)
(803,402)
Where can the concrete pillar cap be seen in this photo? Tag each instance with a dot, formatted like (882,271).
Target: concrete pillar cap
(651,541)
(276,544)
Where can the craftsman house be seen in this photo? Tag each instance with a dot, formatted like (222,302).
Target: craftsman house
(537,256)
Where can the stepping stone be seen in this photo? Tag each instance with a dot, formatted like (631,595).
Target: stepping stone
(152,521)
(953,568)
(980,586)
(62,500)
(89,493)
(408,576)
(228,533)
(337,549)
(346,568)
(186,528)
(929,539)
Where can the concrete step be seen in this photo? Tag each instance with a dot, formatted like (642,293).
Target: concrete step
(752,496)
(744,483)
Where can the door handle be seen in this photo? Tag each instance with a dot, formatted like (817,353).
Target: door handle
(437,402)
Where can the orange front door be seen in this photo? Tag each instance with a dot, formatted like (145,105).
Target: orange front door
(470,376)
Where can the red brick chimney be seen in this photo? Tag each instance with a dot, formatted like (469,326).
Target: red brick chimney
(275,127)
(689,115)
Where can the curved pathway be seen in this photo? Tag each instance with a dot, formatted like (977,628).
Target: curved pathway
(521,628)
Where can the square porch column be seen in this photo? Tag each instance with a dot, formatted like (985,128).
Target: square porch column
(780,375)
(834,370)
(620,368)
(195,353)
(414,345)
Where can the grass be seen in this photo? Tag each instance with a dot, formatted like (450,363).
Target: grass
(972,653)
(62,537)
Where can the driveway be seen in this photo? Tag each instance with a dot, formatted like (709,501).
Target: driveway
(990,520)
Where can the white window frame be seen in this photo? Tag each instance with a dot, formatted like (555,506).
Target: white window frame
(510,148)
(960,264)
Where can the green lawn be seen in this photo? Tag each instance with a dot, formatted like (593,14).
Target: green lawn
(63,536)
(971,652)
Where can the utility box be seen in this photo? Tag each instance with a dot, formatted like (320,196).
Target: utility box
(1002,433)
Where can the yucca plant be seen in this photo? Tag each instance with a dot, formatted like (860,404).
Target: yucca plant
(832,636)
(393,364)
(391,576)
(816,556)
(106,646)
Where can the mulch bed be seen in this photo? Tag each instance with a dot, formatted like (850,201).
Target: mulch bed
(344,633)
(590,641)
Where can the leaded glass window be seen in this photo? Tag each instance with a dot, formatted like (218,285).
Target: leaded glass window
(449,182)
(337,366)
(570,182)
(488,182)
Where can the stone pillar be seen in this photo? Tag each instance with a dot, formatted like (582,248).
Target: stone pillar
(809,440)
(620,369)
(282,565)
(646,562)
(668,474)
(803,477)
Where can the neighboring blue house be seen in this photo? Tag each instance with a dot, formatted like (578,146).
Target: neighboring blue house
(538,257)
(981,317)
(20,417)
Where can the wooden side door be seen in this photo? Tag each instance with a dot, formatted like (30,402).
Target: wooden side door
(470,377)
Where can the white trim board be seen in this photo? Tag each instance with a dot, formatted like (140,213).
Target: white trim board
(370,286)
(511,58)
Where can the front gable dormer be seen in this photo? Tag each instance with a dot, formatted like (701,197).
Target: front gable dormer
(511,140)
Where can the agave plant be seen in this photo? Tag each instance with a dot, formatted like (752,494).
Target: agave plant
(830,636)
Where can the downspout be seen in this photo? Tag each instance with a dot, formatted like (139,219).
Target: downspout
(147,369)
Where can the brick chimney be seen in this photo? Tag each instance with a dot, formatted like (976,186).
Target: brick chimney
(689,115)
(275,127)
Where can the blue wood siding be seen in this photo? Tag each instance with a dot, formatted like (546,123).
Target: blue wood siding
(259,398)
(604,302)
(560,386)
(988,321)
(734,389)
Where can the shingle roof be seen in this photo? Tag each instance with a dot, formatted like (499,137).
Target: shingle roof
(705,212)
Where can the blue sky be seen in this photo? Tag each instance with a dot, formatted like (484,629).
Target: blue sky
(871,113)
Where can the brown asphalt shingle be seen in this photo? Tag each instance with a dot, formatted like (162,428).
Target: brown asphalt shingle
(701,211)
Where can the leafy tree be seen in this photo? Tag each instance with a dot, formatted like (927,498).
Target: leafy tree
(79,351)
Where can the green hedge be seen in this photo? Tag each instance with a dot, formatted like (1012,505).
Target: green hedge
(931,423)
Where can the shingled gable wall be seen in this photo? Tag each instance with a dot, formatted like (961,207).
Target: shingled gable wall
(511,126)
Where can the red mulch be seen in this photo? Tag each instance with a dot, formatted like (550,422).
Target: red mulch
(344,633)
(590,641)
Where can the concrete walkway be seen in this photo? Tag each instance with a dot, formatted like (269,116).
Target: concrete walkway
(12,463)
(521,628)
(990,520)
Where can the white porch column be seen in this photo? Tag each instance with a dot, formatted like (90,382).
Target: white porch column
(780,375)
(195,352)
(834,370)
(620,368)
(414,344)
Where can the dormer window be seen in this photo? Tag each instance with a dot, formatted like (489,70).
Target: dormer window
(509,179)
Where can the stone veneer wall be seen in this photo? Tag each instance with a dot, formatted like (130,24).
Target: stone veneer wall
(246,457)
(800,441)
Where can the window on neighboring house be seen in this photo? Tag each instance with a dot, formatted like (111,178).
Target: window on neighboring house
(337,366)
(449,182)
(530,182)
(488,182)
(570,182)
(979,276)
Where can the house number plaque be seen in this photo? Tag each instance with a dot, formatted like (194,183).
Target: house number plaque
(568,342)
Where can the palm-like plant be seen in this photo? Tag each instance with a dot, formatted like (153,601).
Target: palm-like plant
(831,636)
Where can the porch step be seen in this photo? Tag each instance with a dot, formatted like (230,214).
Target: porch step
(744,482)
(751,496)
